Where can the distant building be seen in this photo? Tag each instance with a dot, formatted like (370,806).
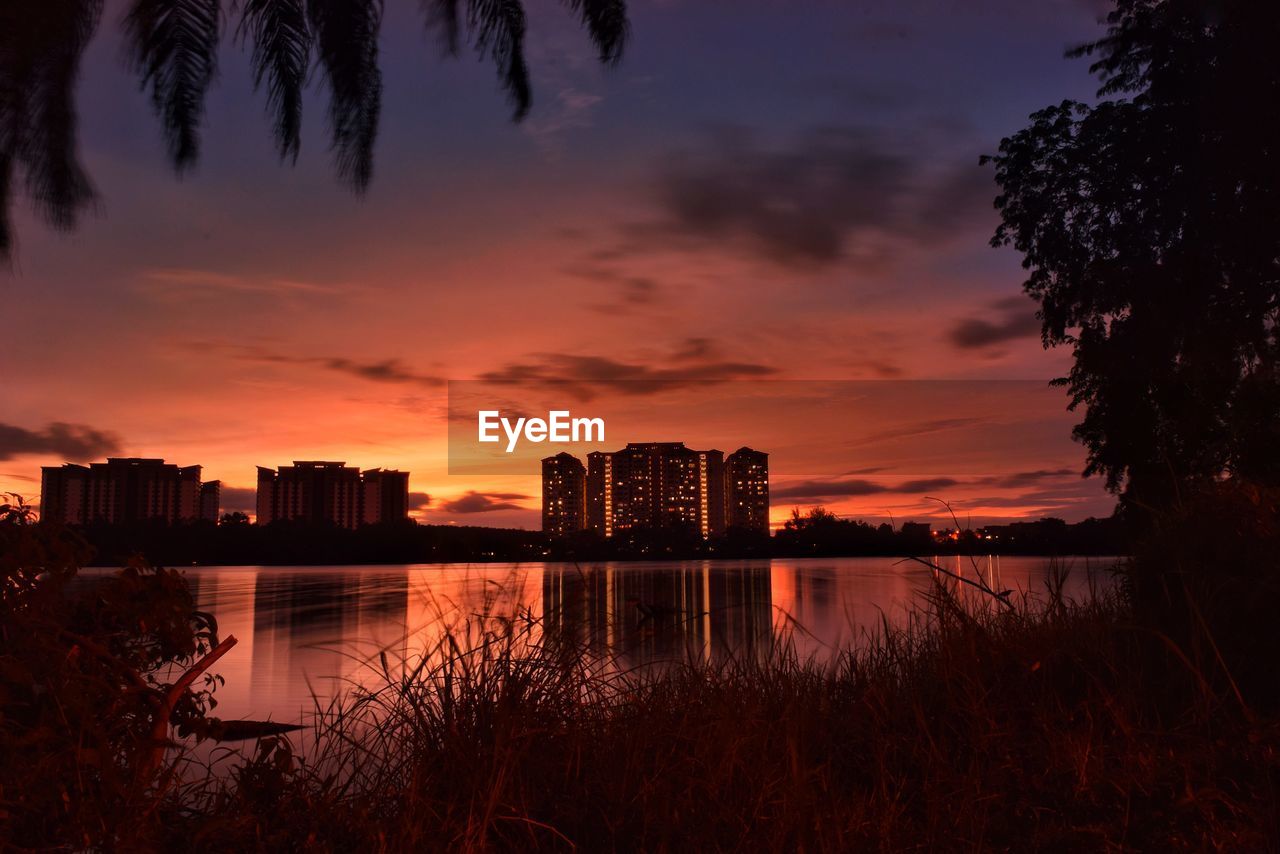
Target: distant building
(210,500)
(746,476)
(564,495)
(332,492)
(656,485)
(125,490)
(386,496)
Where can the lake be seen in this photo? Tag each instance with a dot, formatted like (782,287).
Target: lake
(315,629)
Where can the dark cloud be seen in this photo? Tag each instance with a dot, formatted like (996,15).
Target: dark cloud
(820,490)
(239,499)
(484,502)
(1020,480)
(694,348)
(385,371)
(585,376)
(639,290)
(825,490)
(1048,504)
(71,442)
(837,194)
(419,500)
(929,484)
(628,292)
(921,428)
(1006,320)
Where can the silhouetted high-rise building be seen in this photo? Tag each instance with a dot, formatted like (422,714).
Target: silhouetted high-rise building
(210,500)
(655,485)
(386,496)
(746,477)
(333,492)
(124,490)
(564,495)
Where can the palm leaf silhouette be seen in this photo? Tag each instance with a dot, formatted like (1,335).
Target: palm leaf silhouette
(444,15)
(41,45)
(496,28)
(174,45)
(281,55)
(346,34)
(6,193)
(606,21)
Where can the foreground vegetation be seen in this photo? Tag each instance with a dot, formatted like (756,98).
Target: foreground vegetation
(985,723)
(1064,728)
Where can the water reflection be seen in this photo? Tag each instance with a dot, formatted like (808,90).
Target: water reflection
(315,630)
(647,612)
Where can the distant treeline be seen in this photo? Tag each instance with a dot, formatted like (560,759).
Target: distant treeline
(818,534)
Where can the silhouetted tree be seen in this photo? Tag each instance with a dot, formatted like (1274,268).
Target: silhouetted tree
(173,45)
(1150,224)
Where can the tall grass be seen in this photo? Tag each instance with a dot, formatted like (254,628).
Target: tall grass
(1046,724)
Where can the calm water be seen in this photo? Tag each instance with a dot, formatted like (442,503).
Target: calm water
(305,629)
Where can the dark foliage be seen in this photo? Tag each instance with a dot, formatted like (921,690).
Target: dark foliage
(41,45)
(281,56)
(1045,724)
(85,670)
(816,534)
(498,27)
(1049,727)
(1207,572)
(1148,223)
(346,34)
(174,46)
(819,533)
(606,20)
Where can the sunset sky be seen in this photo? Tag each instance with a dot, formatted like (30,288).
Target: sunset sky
(760,193)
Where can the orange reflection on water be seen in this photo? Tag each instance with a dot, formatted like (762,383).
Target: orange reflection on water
(310,633)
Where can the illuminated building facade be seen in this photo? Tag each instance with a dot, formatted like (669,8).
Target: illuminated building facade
(564,495)
(125,490)
(331,492)
(746,478)
(652,485)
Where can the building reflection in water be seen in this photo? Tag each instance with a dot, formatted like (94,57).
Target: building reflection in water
(325,624)
(651,612)
(323,629)
(299,631)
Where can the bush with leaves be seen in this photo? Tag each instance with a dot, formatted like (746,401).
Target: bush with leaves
(93,672)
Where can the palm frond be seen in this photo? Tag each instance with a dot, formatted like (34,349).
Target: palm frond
(281,53)
(174,46)
(606,21)
(444,16)
(6,202)
(40,52)
(346,35)
(499,27)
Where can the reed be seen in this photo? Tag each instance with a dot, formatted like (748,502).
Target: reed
(1026,722)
